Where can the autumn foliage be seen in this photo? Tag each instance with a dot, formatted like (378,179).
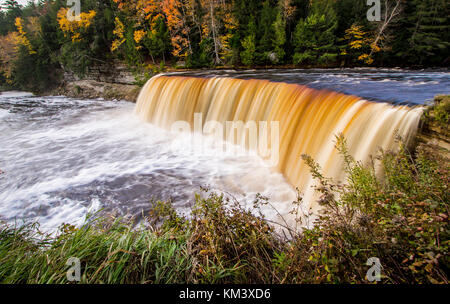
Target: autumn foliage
(151,34)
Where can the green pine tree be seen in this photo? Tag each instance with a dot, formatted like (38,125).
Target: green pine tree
(430,37)
(249,44)
(314,38)
(266,33)
(158,40)
(279,28)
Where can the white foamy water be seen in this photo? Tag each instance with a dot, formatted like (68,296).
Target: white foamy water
(15,94)
(63,158)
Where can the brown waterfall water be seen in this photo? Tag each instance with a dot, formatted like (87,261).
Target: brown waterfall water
(308,120)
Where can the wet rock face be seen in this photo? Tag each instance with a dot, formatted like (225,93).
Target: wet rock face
(92,89)
(110,73)
(112,81)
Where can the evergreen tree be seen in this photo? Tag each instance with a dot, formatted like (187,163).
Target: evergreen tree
(279,28)
(266,33)
(158,42)
(13,10)
(249,44)
(430,37)
(314,38)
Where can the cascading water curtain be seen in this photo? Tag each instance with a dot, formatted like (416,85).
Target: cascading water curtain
(308,120)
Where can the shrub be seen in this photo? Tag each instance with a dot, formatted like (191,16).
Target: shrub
(400,218)
(442,109)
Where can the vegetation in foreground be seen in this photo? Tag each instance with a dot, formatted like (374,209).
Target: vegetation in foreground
(399,216)
(439,113)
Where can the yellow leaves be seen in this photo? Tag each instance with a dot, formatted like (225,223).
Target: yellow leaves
(8,54)
(154,23)
(139,35)
(375,47)
(366,58)
(119,31)
(205,30)
(355,31)
(76,37)
(116,44)
(362,42)
(357,37)
(357,44)
(19,26)
(225,43)
(179,44)
(74,27)
(21,38)
(11,43)
(363,56)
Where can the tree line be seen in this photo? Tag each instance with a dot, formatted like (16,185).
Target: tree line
(39,40)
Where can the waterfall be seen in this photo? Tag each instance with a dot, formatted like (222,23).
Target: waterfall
(307,120)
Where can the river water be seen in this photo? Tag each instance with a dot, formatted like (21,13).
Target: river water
(62,158)
(390,85)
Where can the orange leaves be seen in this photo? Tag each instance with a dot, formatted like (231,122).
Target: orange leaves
(10,44)
(149,7)
(139,10)
(8,54)
(122,5)
(179,45)
(366,58)
(287,8)
(172,13)
(178,28)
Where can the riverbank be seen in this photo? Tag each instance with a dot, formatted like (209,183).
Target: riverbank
(91,89)
(395,86)
(434,128)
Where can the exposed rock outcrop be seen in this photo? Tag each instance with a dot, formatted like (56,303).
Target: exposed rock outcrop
(115,72)
(435,125)
(97,89)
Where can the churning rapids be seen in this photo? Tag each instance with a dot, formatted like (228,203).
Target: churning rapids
(63,158)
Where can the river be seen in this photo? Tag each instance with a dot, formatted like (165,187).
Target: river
(62,158)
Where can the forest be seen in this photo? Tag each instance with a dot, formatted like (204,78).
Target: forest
(40,40)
